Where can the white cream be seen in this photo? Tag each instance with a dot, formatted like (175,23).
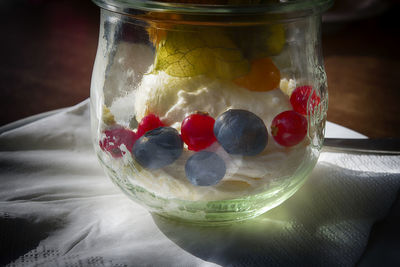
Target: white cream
(172,99)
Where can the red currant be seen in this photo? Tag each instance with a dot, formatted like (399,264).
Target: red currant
(289,128)
(197,131)
(149,122)
(114,138)
(299,99)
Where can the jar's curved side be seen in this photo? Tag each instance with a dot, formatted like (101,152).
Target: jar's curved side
(320,75)
(97,83)
(118,67)
(317,116)
(211,212)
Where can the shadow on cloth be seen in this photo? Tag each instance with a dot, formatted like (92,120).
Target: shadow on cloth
(22,236)
(326,223)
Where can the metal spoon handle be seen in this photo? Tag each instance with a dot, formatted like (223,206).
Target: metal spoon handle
(376,146)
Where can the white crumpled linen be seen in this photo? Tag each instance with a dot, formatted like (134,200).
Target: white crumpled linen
(57,208)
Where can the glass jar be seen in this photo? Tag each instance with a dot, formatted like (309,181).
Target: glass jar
(209,113)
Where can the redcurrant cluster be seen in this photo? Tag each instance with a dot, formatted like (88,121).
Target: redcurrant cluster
(290,127)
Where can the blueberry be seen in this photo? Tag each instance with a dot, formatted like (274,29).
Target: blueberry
(158,148)
(205,168)
(241,132)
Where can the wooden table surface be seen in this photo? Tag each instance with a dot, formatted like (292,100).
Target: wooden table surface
(48,47)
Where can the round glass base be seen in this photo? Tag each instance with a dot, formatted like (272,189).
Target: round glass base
(212,212)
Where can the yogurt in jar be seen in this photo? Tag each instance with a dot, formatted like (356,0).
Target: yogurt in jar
(174,98)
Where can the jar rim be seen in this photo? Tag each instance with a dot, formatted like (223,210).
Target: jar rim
(300,7)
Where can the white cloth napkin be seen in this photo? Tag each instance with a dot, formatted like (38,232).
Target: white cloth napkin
(57,208)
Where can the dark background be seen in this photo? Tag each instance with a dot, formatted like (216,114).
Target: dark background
(48,47)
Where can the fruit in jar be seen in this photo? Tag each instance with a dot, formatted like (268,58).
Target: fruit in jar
(263,76)
(289,128)
(148,123)
(114,138)
(276,39)
(157,30)
(156,33)
(197,131)
(287,86)
(260,41)
(187,52)
(299,99)
(158,148)
(241,132)
(107,116)
(205,168)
